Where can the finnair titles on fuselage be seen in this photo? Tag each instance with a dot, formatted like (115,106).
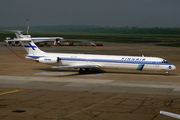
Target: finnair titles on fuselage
(88,61)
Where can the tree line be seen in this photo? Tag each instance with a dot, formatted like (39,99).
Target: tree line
(98,29)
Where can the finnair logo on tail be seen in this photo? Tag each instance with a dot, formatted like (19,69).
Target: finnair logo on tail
(33,47)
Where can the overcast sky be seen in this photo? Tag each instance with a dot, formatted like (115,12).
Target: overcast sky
(113,13)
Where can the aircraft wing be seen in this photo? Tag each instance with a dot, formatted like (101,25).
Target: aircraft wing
(20,39)
(41,39)
(78,66)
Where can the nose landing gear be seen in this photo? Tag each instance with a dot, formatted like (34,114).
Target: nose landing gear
(166,74)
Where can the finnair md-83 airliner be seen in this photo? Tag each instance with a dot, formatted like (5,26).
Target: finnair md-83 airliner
(88,61)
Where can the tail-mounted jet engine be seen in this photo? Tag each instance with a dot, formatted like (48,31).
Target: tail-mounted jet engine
(48,60)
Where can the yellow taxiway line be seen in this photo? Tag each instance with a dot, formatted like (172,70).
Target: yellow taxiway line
(10,92)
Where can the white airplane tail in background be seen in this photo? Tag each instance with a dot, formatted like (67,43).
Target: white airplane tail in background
(19,34)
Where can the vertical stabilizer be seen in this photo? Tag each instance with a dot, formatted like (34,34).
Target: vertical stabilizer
(31,48)
(19,34)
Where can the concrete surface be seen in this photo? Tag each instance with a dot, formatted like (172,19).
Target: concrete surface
(29,90)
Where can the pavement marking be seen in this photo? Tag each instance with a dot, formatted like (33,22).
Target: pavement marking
(42,72)
(11,92)
(59,73)
(14,53)
(97,74)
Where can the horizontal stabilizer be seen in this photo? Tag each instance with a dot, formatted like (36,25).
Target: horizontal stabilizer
(78,66)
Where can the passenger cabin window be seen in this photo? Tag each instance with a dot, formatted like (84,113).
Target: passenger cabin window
(164,61)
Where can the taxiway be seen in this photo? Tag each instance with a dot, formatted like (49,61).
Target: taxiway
(29,90)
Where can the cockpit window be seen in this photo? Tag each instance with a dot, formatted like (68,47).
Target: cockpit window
(164,61)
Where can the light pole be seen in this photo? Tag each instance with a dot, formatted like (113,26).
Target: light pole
(27,20)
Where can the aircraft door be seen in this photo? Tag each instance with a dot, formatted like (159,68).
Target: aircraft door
(157,64)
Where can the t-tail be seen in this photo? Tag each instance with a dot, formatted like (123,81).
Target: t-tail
(28,45)
(31,48)
(18,34)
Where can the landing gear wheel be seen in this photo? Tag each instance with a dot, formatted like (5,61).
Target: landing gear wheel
(166,74)
(86,69)
(81,71)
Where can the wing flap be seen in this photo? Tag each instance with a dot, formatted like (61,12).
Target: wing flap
(78,66)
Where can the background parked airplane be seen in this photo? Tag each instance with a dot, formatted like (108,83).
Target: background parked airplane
(36,39)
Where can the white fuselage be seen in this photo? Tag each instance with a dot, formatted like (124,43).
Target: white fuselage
(106,61)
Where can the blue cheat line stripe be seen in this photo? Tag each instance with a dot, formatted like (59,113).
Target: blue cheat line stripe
(113,61)
(105,60)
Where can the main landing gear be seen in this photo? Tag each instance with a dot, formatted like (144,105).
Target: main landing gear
(83,71)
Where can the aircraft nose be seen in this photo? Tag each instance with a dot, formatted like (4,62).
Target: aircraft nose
(172,67)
